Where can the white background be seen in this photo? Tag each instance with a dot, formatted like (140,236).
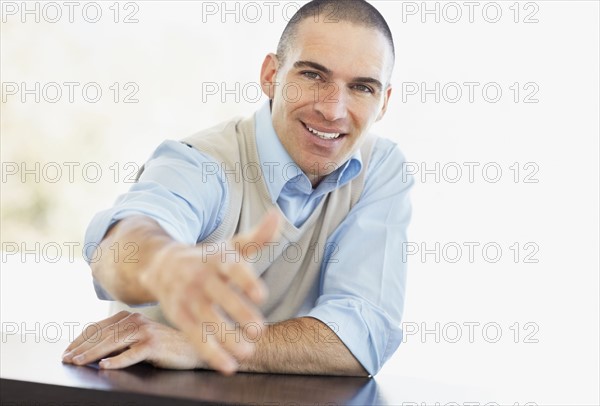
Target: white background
(176,48)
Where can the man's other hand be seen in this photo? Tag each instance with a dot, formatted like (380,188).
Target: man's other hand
(135,338)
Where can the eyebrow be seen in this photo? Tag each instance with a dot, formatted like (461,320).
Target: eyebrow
(314,65)
(318,66)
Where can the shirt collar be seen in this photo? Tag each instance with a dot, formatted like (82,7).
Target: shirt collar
(279,168)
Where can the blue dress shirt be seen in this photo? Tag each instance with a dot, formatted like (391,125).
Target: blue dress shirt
(361,297)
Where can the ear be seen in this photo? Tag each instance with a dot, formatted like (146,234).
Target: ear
(386,99)
(268,73)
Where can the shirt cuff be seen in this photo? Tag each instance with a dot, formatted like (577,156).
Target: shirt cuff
(98,227)
(368,332)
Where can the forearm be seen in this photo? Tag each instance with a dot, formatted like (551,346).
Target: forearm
(124,256)
(302,346)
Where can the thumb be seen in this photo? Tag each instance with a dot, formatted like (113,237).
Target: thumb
(268,230)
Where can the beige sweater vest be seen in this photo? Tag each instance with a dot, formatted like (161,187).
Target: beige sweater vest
(291,266)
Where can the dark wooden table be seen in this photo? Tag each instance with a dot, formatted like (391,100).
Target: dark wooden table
(32,374)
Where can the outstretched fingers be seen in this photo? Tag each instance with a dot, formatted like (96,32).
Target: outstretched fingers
(267,231)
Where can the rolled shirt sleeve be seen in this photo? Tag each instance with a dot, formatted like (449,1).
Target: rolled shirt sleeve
(176,191)
(363,279)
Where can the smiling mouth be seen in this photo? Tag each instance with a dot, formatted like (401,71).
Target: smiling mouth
(323,135)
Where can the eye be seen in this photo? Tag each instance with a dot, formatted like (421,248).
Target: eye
(363,89)
(311,75)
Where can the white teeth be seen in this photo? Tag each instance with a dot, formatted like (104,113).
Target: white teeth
(325,136)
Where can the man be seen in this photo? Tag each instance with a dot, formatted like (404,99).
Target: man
(323,267)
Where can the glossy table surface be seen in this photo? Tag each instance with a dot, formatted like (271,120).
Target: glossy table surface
(32,373)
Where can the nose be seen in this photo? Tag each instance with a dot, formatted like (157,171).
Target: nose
(332,102)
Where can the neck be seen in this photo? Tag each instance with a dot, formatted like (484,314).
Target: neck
(314,179)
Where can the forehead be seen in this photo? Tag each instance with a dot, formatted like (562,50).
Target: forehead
(343,47)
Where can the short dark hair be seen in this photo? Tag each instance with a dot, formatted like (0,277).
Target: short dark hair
(353,11)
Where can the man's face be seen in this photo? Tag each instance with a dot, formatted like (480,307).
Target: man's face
(333,81)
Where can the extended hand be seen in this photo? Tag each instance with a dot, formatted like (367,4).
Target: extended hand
(202,289)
